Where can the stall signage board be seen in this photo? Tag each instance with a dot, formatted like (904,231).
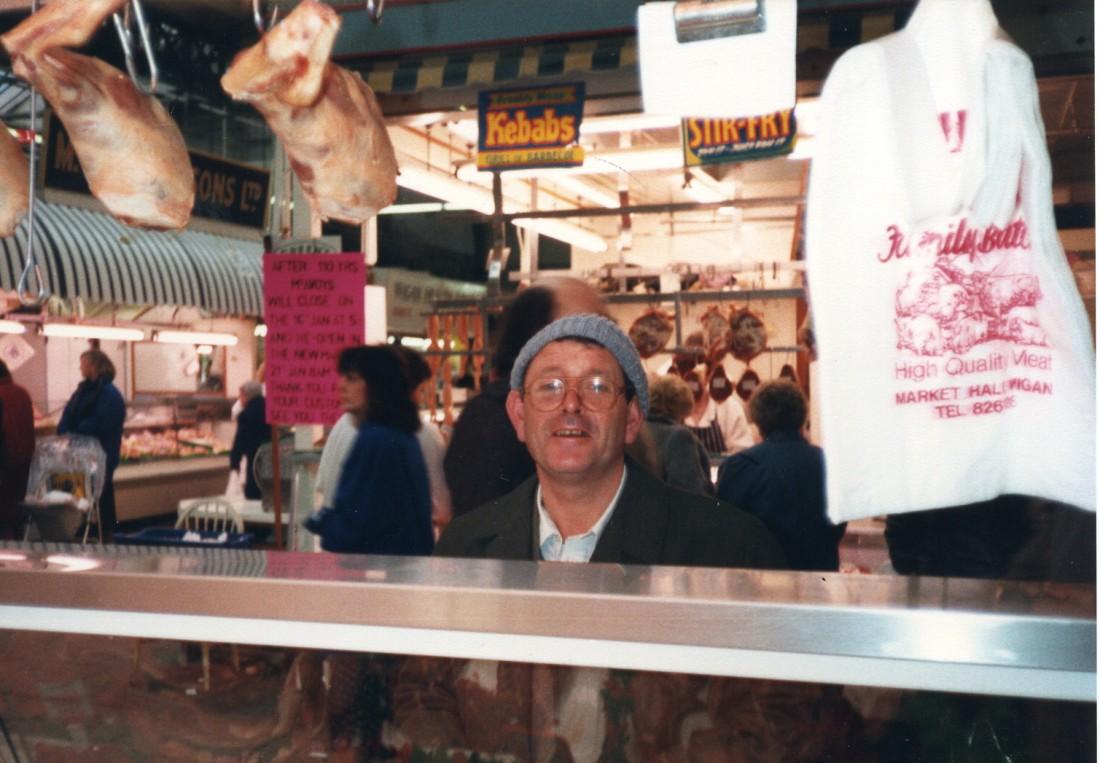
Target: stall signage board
(410,296)
(224,190)
(313,308)
(319,245)
(716,141)
(530,127)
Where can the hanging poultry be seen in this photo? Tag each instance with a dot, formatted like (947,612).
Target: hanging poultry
(650,332)
(131,152)
(14,183)
(326,117)
(717,334)
(748,334)
(691,354)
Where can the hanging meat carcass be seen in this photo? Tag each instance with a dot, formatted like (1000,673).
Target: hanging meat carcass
(718,384)
(326,117)
(691,354)
(748,337)
(651,332)
(716,334)
(787,372)
(132,153)
(748,382)
(14,183)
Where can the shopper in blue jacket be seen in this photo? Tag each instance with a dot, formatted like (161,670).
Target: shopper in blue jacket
(382,503)
(781,481)
(97,410)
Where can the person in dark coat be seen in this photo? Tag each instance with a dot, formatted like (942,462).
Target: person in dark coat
(97,410)
(579,396)
(485,459)
(382,503)
(252,432)
(781,480)
(16,451)
(685,462)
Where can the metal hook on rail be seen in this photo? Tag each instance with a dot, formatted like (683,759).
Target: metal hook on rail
(24,292)
(26,297)
(258,17)
(126,38)
(374,10)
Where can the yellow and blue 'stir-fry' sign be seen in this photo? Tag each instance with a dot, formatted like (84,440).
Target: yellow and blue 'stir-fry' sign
(530,127)
(714,141)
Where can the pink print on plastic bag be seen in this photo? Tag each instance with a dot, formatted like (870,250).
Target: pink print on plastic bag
(959,300)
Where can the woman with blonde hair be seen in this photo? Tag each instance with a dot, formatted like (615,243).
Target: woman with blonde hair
(97,409)
(683,457)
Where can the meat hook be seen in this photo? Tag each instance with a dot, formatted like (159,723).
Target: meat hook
(258,17)
(125,37)
(43,294)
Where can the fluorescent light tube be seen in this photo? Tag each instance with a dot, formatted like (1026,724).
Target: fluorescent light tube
(453,190)
(92,331)
(195,337)
(440,186)
(596,163)
(574,235)
(587,190)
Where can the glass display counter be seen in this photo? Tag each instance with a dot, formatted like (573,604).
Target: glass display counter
(176,427)
(438,659)
(173,448)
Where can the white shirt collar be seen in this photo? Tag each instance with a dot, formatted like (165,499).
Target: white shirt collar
(576,548)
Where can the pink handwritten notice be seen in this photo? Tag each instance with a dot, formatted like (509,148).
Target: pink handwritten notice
(313,308)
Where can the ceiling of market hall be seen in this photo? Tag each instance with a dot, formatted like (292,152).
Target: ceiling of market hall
(434,128)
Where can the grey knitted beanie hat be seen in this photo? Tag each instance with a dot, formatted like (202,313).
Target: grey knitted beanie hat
(595,328)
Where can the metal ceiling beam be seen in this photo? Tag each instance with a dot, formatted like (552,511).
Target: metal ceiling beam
(650,209)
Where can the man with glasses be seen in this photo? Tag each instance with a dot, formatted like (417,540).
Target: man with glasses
(579,397)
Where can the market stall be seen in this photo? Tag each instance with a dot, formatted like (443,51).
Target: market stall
(691,226)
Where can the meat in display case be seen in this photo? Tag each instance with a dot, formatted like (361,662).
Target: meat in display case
(176,427)
(394,658)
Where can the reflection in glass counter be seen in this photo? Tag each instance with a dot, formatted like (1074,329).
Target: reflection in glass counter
(641,663)
(78,697)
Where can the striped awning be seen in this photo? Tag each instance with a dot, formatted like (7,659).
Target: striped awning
(410,74)
(91,255)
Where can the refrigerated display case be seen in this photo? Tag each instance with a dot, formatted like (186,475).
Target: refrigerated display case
(173,447)
(160,427)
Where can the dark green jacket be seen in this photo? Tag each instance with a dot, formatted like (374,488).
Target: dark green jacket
(651,524)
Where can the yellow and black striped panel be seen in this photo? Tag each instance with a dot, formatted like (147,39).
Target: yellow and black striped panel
(410,74)
(488,68)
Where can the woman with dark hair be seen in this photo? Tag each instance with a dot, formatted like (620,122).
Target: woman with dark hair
(97,409)
(381,505)
(432,444)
